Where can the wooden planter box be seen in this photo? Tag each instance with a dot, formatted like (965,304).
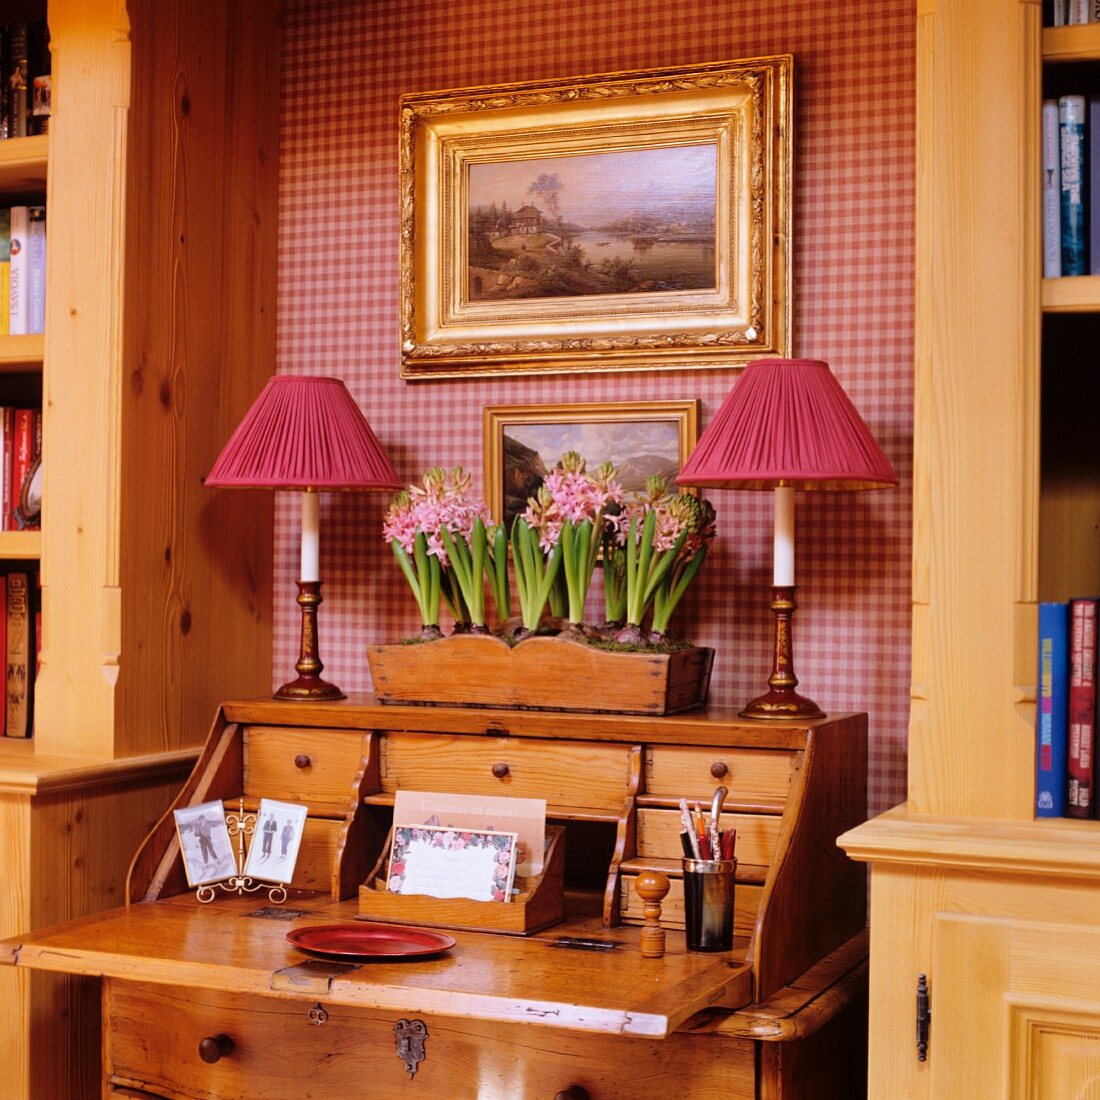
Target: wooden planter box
(543,673)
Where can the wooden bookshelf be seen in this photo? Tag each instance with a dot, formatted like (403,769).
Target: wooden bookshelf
(1060,45)
(23,164)
(1071,294)
(156,595)
(20,545)
(22,354)
(995,911)
(1076,43)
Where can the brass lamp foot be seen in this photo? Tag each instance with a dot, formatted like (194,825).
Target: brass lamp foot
(308,685)
(781,701)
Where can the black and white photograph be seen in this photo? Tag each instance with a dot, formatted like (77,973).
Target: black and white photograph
(273,850)
(205,844)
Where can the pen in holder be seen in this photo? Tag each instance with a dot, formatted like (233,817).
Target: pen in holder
(708,903)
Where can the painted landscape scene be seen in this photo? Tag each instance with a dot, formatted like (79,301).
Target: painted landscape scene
(624,222)
(639,449)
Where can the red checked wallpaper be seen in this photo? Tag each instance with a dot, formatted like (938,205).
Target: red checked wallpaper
(345,67)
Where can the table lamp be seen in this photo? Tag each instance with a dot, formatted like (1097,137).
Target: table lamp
(305,433)
(786,425)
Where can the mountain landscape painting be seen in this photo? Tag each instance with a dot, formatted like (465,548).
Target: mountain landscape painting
(621,222)
(638,448)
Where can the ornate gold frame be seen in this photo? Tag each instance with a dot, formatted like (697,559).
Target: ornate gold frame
(684,414)
(742,107)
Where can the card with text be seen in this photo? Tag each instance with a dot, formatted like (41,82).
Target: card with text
(452,863)
(524,816)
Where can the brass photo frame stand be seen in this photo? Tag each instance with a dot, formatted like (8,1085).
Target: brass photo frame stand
(241,825)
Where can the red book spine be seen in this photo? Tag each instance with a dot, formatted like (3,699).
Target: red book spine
(1082,707)
(5,478)
(23,431)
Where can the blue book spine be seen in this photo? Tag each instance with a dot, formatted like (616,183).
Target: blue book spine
(1071,134)
(1094,182)
(1051,712)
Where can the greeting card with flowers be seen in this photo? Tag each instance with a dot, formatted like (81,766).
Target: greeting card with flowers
(445,862)
(526,817)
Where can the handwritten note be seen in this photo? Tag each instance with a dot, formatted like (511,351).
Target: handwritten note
(452,863)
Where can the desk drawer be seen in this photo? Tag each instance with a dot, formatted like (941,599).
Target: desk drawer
(314,767)
(570,775)
(278,1054)
(754,777)
(757,835)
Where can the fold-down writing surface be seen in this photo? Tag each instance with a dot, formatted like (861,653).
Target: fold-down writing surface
(503,978)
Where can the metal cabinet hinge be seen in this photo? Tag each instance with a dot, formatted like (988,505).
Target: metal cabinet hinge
(924,1017)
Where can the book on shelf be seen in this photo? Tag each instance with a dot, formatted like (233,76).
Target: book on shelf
(1071,138)
(5,268)
(39,89)
(1092,201)
(20,469)
(7,459)
(19,275)
(1052,193)
(36,269)
(24,452)
(16,77)
(1050,711)
(1081,708)
(5,83)
(4,649)
(20,655)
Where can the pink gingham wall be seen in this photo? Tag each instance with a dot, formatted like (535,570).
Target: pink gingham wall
(344,67)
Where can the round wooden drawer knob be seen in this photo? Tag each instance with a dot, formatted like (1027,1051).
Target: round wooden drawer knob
(574,1092)
(302,761)
(215,1047)
(500,770)
(719,769)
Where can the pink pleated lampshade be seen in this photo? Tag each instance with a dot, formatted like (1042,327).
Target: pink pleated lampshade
(303,432)
(787,421)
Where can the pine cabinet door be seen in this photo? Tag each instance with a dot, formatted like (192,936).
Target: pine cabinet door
(1015,1010)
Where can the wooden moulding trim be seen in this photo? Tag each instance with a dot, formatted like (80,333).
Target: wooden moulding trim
(1055,847)
(707,726)
(800,1009)
(55,773)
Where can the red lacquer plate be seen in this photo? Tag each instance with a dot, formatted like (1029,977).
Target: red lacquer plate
(369,941)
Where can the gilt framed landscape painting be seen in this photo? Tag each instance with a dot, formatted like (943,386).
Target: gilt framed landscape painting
(524,442)
(623,221)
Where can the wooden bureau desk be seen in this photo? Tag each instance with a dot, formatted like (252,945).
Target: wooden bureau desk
(506,1017)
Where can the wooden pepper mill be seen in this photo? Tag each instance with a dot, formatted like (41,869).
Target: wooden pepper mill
(652,887)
